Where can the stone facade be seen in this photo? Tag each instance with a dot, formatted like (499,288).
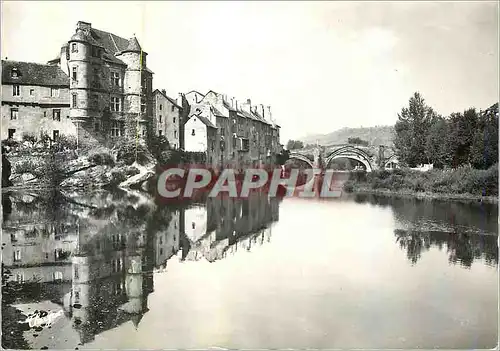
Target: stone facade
(105,91)
(245,134)
(168,117)
(35,101)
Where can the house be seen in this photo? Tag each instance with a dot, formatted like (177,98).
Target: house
(99,81)
(168,117)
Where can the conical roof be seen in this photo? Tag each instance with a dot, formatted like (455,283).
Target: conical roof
(133,45)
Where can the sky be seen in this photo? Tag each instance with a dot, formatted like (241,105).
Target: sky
(321,66)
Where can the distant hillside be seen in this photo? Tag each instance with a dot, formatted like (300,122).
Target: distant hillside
(379,135)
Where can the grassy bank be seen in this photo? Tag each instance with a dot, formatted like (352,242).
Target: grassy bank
(464,183)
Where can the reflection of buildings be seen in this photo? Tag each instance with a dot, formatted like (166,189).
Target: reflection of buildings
(227,224)
(37,247)
(111,279)
(167,242)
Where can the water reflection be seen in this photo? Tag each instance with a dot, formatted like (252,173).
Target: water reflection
(87,261)
(95,255)
(462,248)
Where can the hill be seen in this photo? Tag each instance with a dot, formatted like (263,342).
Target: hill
(378,135)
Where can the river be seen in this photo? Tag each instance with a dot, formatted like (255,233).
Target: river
(122,271)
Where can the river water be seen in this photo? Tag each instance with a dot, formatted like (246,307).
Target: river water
(122,271)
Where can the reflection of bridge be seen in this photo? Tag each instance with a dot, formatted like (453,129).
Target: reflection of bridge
(323,157)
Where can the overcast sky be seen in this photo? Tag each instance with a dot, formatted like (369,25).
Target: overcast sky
(321,66)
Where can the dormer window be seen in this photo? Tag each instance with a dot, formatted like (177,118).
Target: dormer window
(14,73)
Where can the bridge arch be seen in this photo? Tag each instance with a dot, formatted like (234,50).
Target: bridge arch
(297,156)
(392,162)
(352,153)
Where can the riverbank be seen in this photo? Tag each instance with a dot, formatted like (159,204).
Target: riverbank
(463,184)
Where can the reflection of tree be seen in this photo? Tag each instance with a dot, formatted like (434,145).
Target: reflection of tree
(462,248)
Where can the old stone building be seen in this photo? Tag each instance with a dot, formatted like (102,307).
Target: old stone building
(35,101)
(168,117)
(110,85)
(231,133)
(99,81)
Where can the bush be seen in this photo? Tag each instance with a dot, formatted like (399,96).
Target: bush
(31,138)
(65,142)
(102,159)
(10,142)
(127,152)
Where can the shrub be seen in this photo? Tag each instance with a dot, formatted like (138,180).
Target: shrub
(31,138)
(102,159)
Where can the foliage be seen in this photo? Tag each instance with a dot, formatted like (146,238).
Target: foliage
(294,145)
(357,141)
(30,138)
(468,138)
(282,157)
(65,142)
(412,129)
(463,180)
(102,158)
(157,145)
(128,152)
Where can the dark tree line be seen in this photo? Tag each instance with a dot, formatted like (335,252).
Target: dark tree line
(357,141)
(463,138)
(294,145)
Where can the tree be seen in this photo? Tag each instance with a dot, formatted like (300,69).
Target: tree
(435,148)
(461,130)
(357,141)
(484,147)
(412,129)
(294,144)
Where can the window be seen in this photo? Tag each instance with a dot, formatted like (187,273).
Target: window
(115,104)
(161,106)
(174,120)
(193,225)
(14,73)
(77,296)
(175,134)
(161,251)
(58,275)
(54,92)
(73,101)
(192,132)
(115,129)
(97,126)
(44,113)
(14,113)
(115,78)
(160,132)
(143,106)
(77,272)
(95,77)
(74,72)
(159,119)
(17,256)
(20,277)
(213,145)
(95,101)
(175,146)
(16,90)
(56,114)
(32,92)
(95,51)
(11,133)
(55,134)
(74,47)
(173,108)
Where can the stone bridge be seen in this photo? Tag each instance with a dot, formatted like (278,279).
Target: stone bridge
(371,158)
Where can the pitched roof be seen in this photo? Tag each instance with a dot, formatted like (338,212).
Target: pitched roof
(111,42)
(172,101)
(30,73)
(204,120)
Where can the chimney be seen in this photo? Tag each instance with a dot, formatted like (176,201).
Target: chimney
(263,111)
(235,104)
(249,102)
(232,102)
(164,92)
(269,115)
(179,100)
(85,26)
